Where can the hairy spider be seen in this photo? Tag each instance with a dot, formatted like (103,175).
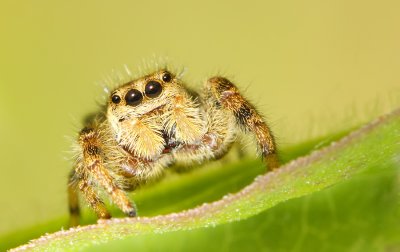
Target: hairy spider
(151,123)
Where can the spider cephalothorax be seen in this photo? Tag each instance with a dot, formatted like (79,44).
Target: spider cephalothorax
(151,123)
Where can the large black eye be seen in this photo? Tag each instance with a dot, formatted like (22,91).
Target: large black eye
(116,99)
(133,97)
(166,77)
(153,89)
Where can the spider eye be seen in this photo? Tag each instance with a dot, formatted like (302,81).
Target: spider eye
(134,97)
(153,89)
(166,77)
(116,99)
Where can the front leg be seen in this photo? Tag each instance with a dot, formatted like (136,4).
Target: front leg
(89,172)
(247,118)
(85,185)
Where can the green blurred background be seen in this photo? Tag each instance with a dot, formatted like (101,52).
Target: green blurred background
(310,66)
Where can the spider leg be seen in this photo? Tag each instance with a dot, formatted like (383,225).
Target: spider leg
(90,196)
(73,201)
(226,95)
(90,171)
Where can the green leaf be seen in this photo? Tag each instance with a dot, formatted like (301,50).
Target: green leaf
(364,165)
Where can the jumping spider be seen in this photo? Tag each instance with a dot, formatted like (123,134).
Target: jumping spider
(151,123)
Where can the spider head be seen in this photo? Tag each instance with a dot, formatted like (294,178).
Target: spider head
(139,97)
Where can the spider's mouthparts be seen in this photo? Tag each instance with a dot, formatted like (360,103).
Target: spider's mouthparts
(170,142)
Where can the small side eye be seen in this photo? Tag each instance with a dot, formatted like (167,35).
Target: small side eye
(116,99)
(134,97)
(166,77)
(153,89)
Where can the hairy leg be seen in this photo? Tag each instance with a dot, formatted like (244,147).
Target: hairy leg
(73,201)
(90,171)
(226,95)
(227,112)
